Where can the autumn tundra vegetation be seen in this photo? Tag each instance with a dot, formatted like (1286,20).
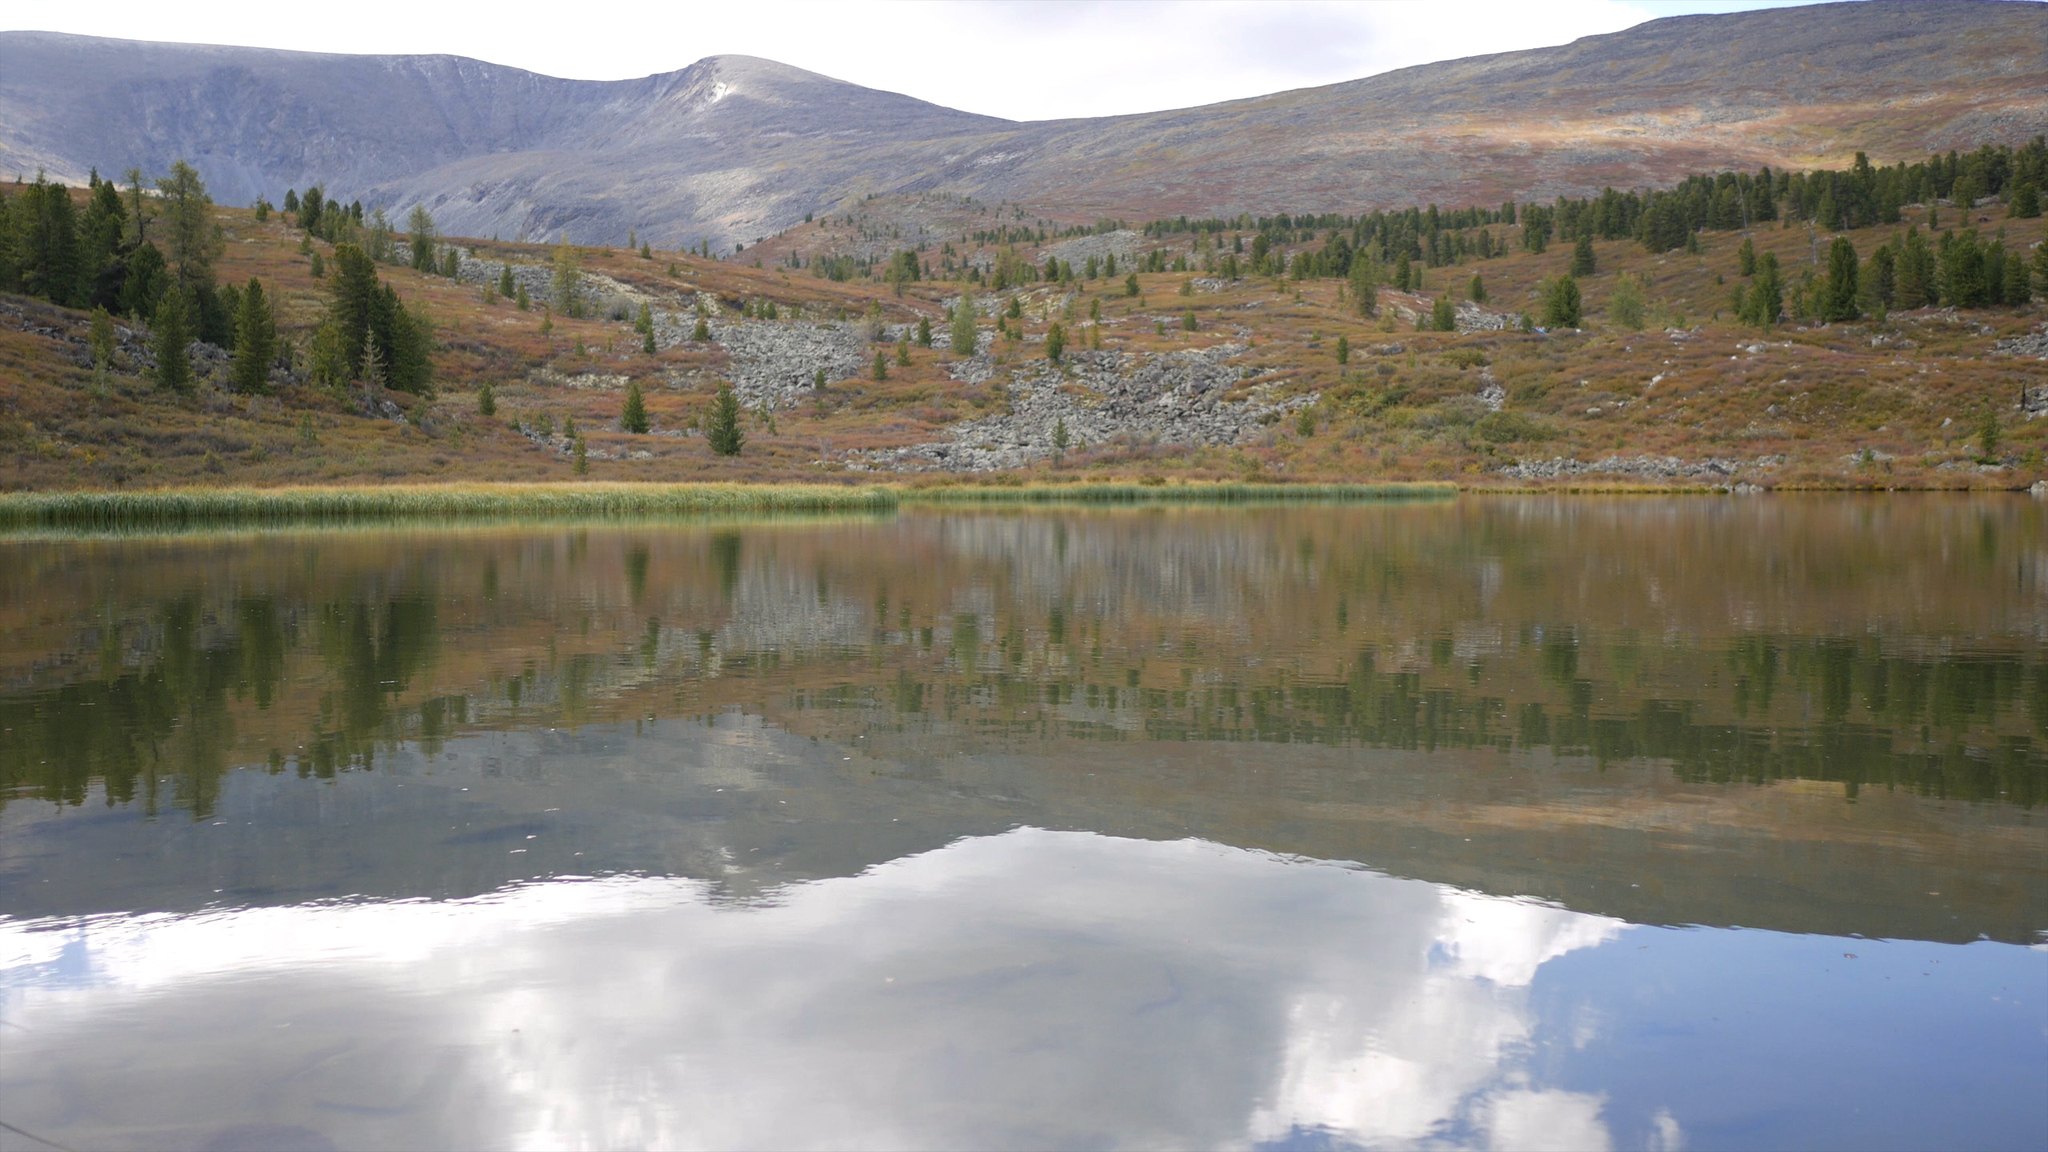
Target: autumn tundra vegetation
(1875,326)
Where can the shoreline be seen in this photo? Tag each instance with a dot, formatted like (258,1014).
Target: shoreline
(172,508)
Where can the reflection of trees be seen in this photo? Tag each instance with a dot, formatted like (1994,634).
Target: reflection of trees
(168,718)
(372,653)
(1914,723)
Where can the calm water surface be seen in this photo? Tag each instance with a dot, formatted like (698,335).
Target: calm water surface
(1705,823)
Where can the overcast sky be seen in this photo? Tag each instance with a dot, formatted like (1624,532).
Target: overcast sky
(1024,61)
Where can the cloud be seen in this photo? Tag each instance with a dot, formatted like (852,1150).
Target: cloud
(1029,988)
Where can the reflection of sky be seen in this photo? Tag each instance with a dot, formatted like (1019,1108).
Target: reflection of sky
(1028,989)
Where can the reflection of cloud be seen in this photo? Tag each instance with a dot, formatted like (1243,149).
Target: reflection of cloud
(1028,989)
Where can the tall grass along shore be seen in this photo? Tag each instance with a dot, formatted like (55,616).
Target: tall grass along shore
(201,506)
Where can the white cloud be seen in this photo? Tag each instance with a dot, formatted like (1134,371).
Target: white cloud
(1025,61)
(1028,988)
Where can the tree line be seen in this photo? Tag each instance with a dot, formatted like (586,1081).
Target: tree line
(147,252)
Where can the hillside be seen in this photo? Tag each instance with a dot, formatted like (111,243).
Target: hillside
(1193,377)
(731,149)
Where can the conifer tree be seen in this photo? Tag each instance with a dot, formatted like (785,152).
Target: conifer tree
(702,332)
(2026,201)
(255,341)
(1477,289)
(451,263)
(582,456)
(505,285)
(1561,303)
(1838,299)
(633,418)
(193,239)
(100,340)
(1343,350)
(1055,342)
(1766,294)
(486,400)
(419,227)
(1443,316)
(924,331)
(964,334)
(1131,284)
(1582,255)
(1745,258)
(881,367)
(1884,276)
(172,336)
(903,353)
(722,431)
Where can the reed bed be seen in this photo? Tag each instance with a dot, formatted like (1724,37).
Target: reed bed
(1217,493)
(199,506)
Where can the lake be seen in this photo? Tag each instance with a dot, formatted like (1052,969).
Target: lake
(1693,823)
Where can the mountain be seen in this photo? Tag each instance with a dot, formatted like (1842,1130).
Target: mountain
(735,147)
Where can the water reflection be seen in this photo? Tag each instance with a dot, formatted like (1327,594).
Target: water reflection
(1293,828)
(1028,989)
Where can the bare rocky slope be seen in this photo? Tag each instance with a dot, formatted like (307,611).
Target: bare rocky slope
(731,147)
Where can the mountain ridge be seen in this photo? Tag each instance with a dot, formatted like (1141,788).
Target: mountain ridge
(731,148)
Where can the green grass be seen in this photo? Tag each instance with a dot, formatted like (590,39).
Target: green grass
(1219,493)
(199,506)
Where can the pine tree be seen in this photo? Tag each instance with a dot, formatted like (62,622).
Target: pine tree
(506,287)
(148,279)
(255,341)
(881,367)
(702,332)
(1055,343)
(924,331)
(1188,323)
(1476,290)
(1443,315)
(1838,300)
(1582,255)
(1343,350)
(1766,294)
(582,456)
(194,239)
(173,334)
(100,340)
(1561,303)
(633,418)
(1131,284)
(1745,258)
(1059,437)
(1884,277)
(486,400)
(723,430)
(903,353)
(419,227)
(964,334)
(451,263)
(2026,201)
